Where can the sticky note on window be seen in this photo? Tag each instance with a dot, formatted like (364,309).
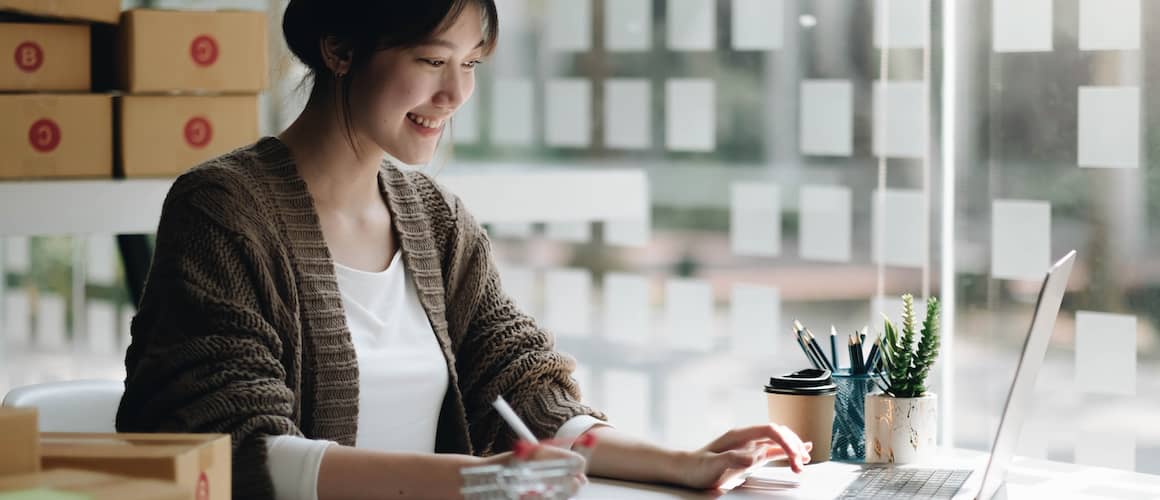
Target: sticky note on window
(1109,24)
(826,117)
(101,327)
(755,219)
(574,232)
(627,25)
(901,220)
(689,314)
(899,119)
(627,399)
(755,320)
(16,253)
(758,24)
(627,116)
(1109,127)
(50,322)
(690,115)
(1021,25)
(627,311)
(632,233)
(1112,448)
(567,305)
(569,112)
(825,223)
(465,122)
(101,266)
(520,284)
(513,127)
(1020,239)
(1105,353)
(17,318)
(905,25)
(692,24)
(569,25)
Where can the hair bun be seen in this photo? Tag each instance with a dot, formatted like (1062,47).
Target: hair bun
(302,33)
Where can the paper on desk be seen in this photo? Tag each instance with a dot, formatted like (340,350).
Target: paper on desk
(824,480)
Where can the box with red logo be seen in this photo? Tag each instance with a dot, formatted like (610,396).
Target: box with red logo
(162,136)
(65,484)
(100,11)
(198,463)
(19,442)
(56,135)
(170,50)
(46,57)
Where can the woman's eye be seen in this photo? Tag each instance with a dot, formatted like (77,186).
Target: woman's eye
(434,62)
(472,64)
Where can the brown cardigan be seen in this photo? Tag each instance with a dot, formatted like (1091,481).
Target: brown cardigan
(241,328)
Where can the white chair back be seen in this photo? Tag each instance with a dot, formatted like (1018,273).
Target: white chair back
(71,406)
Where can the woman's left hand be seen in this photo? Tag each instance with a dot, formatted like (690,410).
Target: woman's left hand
(736,451)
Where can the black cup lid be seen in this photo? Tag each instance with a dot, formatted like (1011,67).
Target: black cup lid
(808,382)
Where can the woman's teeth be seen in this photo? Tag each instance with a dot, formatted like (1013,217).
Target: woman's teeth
(423,122)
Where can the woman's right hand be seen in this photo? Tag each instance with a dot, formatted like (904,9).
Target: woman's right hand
(529,452)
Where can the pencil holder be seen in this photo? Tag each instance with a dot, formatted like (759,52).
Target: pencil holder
(849,439)
(539,479)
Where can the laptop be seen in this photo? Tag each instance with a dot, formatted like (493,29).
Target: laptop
(909,482)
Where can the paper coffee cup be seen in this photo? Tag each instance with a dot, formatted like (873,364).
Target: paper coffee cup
(804,402)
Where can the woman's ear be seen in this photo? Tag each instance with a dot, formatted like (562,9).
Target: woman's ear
(337,54)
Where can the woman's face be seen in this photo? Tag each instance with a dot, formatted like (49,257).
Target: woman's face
(403,99)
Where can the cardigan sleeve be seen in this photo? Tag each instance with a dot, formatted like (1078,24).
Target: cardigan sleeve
(205,355)
(503,350)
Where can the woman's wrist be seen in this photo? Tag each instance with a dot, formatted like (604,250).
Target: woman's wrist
(677,466)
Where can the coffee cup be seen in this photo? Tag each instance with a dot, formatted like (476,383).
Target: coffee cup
(803,401)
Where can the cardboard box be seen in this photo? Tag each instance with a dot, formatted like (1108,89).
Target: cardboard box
(162,136)
(20,441)
(198,463)
(100,11)
(54,136)
(170,50)
(64,483)
(47,57)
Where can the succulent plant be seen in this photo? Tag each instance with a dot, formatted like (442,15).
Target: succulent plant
(907,365)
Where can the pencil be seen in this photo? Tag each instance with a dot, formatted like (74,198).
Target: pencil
(834,347)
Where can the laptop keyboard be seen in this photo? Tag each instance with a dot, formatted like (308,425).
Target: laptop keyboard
(889,482)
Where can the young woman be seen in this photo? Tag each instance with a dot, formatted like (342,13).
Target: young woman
(306,295)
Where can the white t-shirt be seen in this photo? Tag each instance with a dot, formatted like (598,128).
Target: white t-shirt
(402,379)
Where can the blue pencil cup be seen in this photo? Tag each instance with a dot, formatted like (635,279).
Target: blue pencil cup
(849,437)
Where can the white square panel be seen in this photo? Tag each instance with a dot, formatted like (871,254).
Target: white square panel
(1109,24)
(1021,25)
(627,25)
(899,119)
(16,254)
(689,314)
(627,120)
(569,25)
(510,230)
(465,122)
(825,223)
(575,232)
(520,284)
(1105,353)
(1111,448)
(627,397)
(690,115)
(1109,127)
(903,228)
(51,322)
(906,25)
(1020,239)
(758,24)
(569,110)
(633,233)
(101,266)
(513,127)
(101,325)
(692,24)
(17,320)
(826,117)
(755,320)
(755,219)
(627,311)
(567,305)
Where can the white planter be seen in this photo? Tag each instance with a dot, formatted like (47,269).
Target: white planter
(900,430)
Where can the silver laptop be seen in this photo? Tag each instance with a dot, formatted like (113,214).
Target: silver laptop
(890,482)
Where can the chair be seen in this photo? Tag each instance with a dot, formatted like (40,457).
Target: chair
(71,406)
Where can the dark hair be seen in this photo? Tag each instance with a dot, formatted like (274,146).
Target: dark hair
(367,26)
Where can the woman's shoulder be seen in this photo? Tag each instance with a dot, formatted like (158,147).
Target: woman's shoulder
(227,186)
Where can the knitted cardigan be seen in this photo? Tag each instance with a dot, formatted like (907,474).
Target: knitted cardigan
(241,328)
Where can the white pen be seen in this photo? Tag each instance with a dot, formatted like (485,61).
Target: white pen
(514,421)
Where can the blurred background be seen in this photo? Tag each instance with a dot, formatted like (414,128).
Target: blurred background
(805,159)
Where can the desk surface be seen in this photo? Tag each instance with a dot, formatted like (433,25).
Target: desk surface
(1027,479)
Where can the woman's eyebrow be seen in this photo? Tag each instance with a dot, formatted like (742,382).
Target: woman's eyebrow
(446,43)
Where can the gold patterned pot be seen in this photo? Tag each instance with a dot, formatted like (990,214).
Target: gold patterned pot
(900,430)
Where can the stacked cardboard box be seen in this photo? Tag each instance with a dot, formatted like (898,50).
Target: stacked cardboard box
(191,80)
(52,124)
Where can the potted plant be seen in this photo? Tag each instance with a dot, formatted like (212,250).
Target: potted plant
(902,420)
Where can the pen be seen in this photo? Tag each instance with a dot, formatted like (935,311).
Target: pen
(834,346)
(513,420)
(818,351)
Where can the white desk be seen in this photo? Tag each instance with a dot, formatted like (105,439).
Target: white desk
(1027,479)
